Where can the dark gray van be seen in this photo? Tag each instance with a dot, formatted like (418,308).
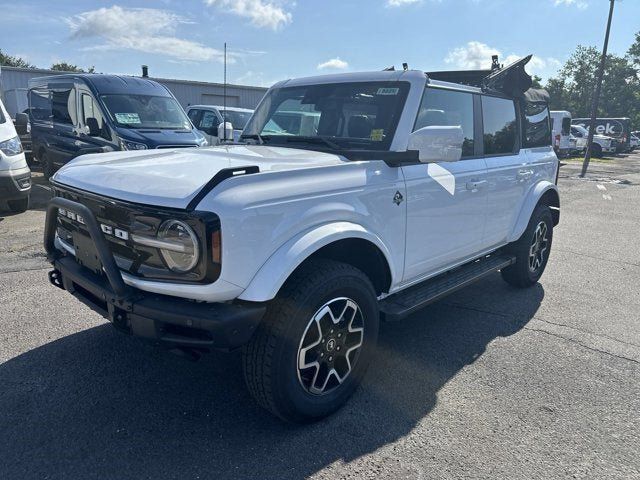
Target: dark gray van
(72,115)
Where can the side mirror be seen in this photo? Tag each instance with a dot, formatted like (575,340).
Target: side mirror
(225,131)
(94,128)
(22,123)
(437,143)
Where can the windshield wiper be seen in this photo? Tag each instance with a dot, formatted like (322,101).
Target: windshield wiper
(313,139)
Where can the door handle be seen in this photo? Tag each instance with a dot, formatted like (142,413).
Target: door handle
(524,174)
(474,185)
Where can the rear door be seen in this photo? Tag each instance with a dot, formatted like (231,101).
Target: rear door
(508,171)
(446,202)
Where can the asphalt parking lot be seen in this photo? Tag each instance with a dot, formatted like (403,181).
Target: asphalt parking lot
(490,382)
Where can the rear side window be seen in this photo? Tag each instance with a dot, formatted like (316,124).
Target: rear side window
(63,106)
(499,120)
(537,125)
(40,104)
(448,108)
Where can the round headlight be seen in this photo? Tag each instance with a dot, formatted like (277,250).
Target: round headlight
(181,252)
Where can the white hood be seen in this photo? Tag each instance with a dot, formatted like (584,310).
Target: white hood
(171,178)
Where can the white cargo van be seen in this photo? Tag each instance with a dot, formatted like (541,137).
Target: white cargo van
(15,176)
(561,131)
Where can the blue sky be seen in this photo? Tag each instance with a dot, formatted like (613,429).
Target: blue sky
(274,39)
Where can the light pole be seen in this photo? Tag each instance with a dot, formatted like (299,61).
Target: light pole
(596,93)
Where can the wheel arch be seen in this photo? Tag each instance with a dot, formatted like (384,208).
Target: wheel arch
(544,193)
(345,242)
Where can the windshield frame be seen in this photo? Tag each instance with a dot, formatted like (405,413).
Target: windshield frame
(267,109)
(186,123)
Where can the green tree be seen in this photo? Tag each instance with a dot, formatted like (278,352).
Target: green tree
(14,61)
(572,89)
(634,51)
(69,67)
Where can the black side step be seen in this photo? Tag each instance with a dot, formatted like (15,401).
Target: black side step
(406,302)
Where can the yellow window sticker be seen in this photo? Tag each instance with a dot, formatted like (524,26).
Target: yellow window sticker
(377,135)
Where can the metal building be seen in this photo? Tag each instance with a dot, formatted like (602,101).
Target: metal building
(14,82)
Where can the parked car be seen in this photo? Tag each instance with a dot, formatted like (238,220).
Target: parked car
(15,175)
(561,131)
(75,114)
(635,142)
(601,143)
(293,245)
(617,128)
(207,119)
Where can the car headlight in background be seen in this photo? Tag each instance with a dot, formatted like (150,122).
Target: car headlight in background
(127,145)
(11,147)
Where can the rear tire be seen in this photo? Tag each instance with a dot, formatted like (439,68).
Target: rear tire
(313,347)
(596,150)
(531,250)
(19,206)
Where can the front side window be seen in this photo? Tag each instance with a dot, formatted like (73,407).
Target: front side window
(146,111)
(537,125)
(209,123)
(448,108)
(338,116)
(499,120)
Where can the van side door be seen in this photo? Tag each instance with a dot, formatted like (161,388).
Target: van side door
(63,144)
(508,170)
(100,139)
(447,201)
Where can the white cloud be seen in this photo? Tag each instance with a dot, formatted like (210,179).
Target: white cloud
(477,55)
(143,29)
(580,4)
(334,63)
(261,13)
(400,3)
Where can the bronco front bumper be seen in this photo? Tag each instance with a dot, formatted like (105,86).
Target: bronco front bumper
(173,321)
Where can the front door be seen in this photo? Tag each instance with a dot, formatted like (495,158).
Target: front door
(447,201)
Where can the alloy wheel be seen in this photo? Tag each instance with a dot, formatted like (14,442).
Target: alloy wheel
(539,247)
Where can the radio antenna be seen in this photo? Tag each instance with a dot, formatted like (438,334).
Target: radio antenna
(224,95)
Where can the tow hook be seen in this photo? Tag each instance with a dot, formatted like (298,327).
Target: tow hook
(56,279)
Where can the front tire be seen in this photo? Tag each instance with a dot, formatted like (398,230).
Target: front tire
(18,206)
(48,168)
(531,250)
(313,347)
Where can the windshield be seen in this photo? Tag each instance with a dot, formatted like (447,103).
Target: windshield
(356,116)
(238,119)
(146,111)
(580,129)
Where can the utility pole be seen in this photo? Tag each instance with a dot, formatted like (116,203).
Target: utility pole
(596,93)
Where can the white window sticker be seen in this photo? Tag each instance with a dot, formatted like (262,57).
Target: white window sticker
(129,118)
(387,91)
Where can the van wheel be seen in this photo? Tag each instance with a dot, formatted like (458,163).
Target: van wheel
(531,250)
(47,166)
(313,347)
(596,150)
(19,206)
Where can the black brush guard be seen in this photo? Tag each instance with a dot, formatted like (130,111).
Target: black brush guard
(173,321)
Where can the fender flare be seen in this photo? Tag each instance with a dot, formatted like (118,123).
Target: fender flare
(535,194)
(280,265)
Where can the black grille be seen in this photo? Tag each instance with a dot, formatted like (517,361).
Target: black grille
(139,260)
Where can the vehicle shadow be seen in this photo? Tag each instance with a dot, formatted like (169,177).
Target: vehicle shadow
(97,404)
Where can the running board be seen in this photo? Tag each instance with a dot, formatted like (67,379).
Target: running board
(404,303)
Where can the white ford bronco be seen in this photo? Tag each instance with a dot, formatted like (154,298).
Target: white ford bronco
(390,190)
